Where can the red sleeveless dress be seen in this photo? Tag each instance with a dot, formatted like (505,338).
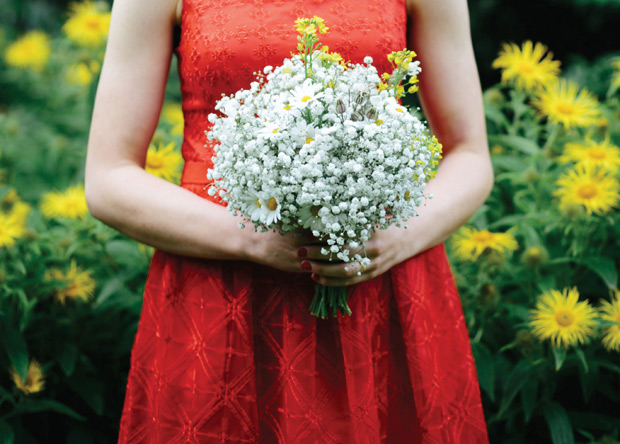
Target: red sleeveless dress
(227,352)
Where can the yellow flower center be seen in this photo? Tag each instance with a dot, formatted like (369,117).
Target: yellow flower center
(587,191)
(378,122)
(483,237)
(272,204)
(407,196)
(564,318)
(155,162)
(258,203)
(309,139)
(597,152)
(305,98)
(275,130)
(287,107)
(92,22)
(525,68)
(400,110)
(565,108)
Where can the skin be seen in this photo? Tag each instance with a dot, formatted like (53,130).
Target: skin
(121,194)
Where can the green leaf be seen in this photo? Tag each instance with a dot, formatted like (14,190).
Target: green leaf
(91,391)
(17,350)
(485,366)
(589,380)
(604,267)
(559,356)
(42,405)
(125,252)
(559,424)
(582,359)
(529,393)
(67,357)
(6,433)
(515,380)
(518,143)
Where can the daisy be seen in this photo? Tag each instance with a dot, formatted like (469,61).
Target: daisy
(527,67)
(303,132)
(597,191)
(561,318)
(303,94)
(35,380)
(272,208)
(604,155)
(610,311)
(470,243)
(562,103)
(76,283)
(309,218)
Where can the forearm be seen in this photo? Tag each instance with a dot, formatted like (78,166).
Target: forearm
(462,184)
(163,215)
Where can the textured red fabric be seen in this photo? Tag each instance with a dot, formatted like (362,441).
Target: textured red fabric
(227,352)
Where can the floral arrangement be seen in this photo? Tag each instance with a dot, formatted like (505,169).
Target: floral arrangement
(323,145)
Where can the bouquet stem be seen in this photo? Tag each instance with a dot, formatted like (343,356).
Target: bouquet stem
(329,299)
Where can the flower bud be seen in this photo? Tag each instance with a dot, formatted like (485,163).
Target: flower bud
(371,113)
(340,107)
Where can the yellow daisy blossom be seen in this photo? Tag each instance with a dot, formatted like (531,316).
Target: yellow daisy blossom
(164,162)
(562,103)
(77,284)
(79,74)
(88,23)
(35,380)
(172,114)
(70,204)
(470,243)
(11,229)
(527,67)
(31,51)
(610,311)
(604,155)
(597,191)
(562,319)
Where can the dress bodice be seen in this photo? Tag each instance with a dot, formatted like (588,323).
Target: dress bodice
(223,42)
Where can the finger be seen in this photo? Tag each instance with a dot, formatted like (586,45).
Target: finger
(337,270)
(341,282)
(314,252)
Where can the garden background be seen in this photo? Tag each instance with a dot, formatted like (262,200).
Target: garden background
(537,266)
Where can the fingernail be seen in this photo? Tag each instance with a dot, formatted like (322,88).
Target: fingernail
(302,252)
(315,276)
(306,265)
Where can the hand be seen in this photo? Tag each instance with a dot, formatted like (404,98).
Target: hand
(275,250)
(385,249)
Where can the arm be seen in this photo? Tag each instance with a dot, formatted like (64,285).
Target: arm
(118,190)
(452,101)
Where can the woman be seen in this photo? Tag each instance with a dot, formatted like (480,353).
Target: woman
(226,350)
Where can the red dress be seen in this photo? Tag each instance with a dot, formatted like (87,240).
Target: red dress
(227,352)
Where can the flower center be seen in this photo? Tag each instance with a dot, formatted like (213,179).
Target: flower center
(587,191)
(155,162)
(525,68)
(305,98)
(272,204)
(93,23)
(482,237)
(565,108)
(258,203)
(564,318)
(309,139)
(315,210)
(597,152)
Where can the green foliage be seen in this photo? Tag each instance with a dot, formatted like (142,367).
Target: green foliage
(532,391)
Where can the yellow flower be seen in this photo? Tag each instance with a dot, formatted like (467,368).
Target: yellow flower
(595,190)
(88,23)
(561,102)
(172,114)
(70,203)
(32,51)
(76,284)
(35,380)
(470,243)
(79,74)
(164,162)
(11,229)
(561,318)
(528,67)
(610,311)
(603,155)
(309,26)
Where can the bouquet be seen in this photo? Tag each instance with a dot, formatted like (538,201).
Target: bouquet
(323,145)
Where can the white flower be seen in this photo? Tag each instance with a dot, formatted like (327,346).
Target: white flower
(308,218)
(368,60)
(306,93)
(303,132)
(271,207)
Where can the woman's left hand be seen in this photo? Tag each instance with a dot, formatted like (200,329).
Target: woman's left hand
(385,249)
